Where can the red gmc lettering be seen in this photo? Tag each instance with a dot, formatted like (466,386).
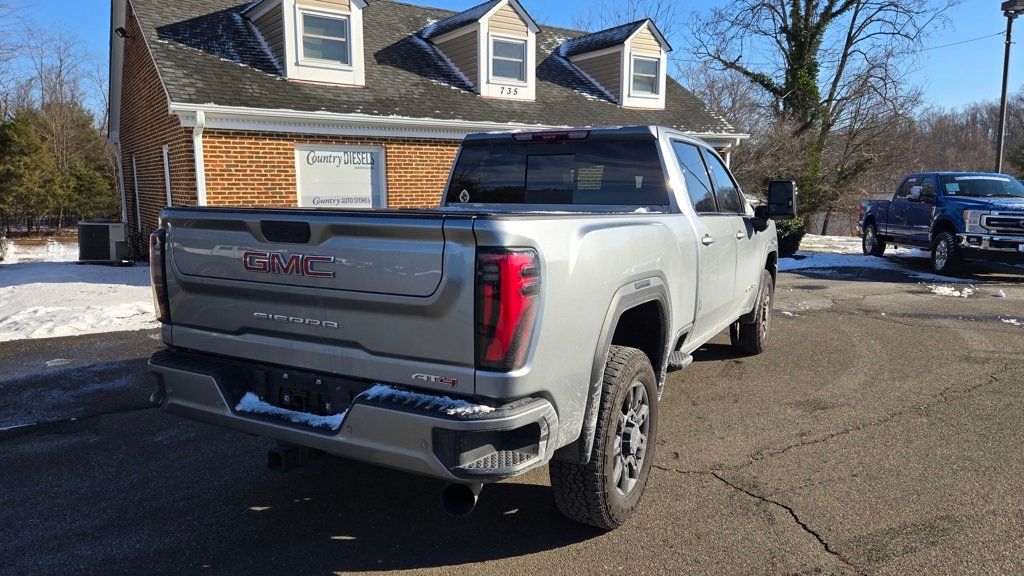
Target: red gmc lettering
(279,263)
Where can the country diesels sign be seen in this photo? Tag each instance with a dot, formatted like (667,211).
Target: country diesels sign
(340,177)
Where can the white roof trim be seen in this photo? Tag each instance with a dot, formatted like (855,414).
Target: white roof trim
(649,24)
(332,123)
(531,24)
(258,119)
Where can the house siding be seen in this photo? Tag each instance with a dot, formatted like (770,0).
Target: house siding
(507,21)
(271,26)
(258,168)
(344,5)
(606,70)
(464,52)
(146,127)
(644,41)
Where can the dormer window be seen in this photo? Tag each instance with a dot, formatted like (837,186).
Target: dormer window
(493,45)
(628,62)
(645,76)
(325,39)
(313,40)
(509,60)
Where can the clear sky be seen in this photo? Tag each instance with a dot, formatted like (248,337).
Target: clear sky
(952,76)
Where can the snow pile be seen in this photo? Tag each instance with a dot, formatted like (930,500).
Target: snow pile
(252,404)
(449,406)
(831,252)
(1013,322)
(44,294)
(950,291)
(52,251)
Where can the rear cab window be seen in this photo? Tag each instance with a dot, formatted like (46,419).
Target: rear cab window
(576,172)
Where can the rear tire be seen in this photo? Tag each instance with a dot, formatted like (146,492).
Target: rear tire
(606,491)
(947,258)
(751,338)
(870,243)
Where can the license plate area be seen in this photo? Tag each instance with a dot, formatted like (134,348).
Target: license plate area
(295,390)
(1020,247)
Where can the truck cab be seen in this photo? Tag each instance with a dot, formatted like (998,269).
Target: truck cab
(958,216)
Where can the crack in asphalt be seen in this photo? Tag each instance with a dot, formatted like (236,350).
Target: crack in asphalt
(946,395)
(789,509)
(796,518)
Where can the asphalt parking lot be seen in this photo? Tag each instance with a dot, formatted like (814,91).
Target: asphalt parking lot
(881,434)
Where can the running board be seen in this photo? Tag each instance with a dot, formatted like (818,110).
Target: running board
(679,360)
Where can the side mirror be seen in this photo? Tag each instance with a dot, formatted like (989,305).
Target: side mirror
(782,200)
(915,194)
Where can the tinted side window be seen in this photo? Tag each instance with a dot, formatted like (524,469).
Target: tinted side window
(928,189)
(907,185)
(726,190)
(698,184)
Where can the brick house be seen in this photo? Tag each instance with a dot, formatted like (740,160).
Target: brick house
(353,103)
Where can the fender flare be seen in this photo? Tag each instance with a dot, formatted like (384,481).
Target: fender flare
(942,221)
(642,291)
(769,250)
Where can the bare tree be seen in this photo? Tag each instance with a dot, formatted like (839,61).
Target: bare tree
(607,13)
(821,62)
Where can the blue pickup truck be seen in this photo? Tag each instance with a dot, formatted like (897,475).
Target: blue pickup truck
(959,216)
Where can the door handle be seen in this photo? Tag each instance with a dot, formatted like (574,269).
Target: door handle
(741,235)
(707,240)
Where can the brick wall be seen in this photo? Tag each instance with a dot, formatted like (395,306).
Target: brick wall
(146,126)
(258,168)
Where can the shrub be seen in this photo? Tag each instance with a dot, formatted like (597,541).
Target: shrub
(791,233)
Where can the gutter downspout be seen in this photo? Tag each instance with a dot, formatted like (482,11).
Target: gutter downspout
(116,141)
(197,147)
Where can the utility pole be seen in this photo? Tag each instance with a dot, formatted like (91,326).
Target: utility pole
(1011,8)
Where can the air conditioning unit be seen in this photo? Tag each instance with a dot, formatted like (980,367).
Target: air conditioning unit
(102,241)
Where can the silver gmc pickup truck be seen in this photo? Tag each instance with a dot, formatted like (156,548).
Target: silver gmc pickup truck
(530,320)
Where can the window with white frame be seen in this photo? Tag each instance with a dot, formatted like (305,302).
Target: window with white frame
(508,59)
(326,38)
(645,76)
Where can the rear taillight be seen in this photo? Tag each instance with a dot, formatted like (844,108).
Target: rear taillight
(507,294)
(158,274)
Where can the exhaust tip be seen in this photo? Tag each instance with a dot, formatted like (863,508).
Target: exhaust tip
(459,500)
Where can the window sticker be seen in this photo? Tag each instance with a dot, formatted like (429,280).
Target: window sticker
(952,187)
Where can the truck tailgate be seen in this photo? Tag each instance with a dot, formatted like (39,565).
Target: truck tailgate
(380,295)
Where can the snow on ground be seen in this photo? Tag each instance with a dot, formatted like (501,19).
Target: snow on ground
(45,294)
(824,252)
(1013,322)
(951,291)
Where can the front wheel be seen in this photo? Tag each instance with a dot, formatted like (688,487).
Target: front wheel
(606,491)
(947,259)
(752,337)
(871,244)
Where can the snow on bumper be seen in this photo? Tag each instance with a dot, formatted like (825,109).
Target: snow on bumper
(426,434)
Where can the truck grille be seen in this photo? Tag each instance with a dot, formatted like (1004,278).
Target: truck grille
(1004,223)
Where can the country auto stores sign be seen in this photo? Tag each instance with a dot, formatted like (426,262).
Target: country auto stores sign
(340,177)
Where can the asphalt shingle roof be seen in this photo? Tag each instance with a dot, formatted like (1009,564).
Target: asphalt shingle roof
(208,53)
(456,21)
(601,40)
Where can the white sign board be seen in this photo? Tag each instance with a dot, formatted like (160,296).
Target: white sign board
(340,177)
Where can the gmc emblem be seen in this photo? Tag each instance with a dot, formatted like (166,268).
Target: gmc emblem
(295,264)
